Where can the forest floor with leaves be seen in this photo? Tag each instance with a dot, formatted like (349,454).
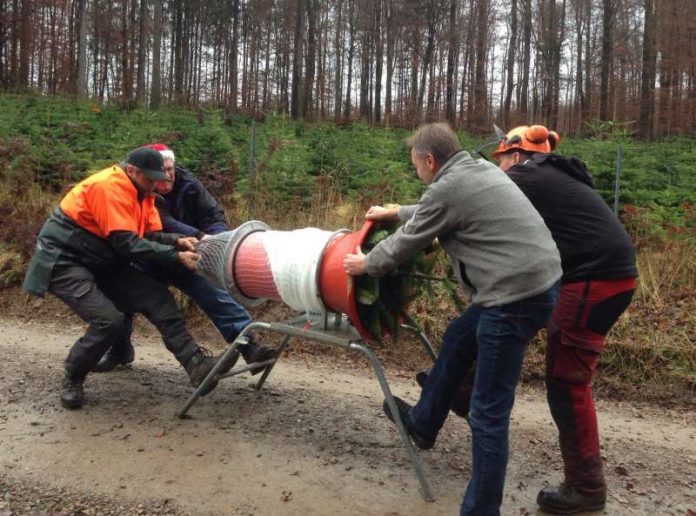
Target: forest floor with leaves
(312,441)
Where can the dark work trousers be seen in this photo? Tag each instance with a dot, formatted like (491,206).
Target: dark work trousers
(101,302)
(585,313)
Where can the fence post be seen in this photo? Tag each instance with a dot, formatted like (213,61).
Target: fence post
(617,179)
(252,168)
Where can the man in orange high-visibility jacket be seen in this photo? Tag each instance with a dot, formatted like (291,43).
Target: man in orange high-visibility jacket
(84,253)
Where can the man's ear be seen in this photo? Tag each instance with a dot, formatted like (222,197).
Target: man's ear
(430,161)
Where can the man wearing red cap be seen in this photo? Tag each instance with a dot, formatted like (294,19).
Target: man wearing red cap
(186,207)
(83,256)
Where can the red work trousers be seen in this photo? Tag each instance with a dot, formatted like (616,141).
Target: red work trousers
(585,313)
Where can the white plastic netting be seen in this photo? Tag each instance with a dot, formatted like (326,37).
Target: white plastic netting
(294,257)
(213,250)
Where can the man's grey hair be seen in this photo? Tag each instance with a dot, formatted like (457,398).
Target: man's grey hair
(437,139)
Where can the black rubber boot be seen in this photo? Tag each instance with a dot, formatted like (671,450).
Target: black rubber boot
(566,499)
(122,354)
(72,393)
(254,353)
(200,365)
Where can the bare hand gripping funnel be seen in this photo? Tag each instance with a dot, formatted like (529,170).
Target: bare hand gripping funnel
(302,268)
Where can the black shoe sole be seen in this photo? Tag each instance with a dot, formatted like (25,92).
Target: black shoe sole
(568,510)
(550,507)
(71,404)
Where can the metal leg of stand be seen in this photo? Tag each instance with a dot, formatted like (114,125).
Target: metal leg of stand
(415,462)
(412,325)
(269,368)
(214,371)
(423,338)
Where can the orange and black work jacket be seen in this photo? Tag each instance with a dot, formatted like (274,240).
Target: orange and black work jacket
(101,224)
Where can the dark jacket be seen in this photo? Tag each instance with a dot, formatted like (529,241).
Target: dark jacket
(62,242)
(189,208)
(592,241)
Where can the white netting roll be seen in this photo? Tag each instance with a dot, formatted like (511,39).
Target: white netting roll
(294,257)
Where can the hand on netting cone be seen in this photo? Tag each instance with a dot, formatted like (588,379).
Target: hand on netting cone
(186,243)
(189,259)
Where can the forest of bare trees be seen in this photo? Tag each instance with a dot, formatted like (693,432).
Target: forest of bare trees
(572,64)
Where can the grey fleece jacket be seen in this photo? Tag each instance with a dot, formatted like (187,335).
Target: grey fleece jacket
(499,245)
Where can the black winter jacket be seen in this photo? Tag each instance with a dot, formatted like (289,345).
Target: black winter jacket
(189,208)
(592,241)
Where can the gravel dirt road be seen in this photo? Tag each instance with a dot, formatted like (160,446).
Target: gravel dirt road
(313,441)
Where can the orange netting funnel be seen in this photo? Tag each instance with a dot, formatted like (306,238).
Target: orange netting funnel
(336,287)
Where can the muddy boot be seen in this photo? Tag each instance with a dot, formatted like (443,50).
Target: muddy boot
(253,353)
(566,499)
(121,354)
(200,365)
(72,394)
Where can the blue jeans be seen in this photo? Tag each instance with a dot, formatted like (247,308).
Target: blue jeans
(495,338)
(228,316)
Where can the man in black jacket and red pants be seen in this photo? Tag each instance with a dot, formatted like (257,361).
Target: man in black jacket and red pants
(599,278)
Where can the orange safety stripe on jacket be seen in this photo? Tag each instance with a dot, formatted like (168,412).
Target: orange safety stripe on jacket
(108,201)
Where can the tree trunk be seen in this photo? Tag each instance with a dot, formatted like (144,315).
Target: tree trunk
(526,60)
(125,88)
(178,54)
(295,99)
(452,52)
(647,80)
(510,68)
(338,47)
(81,83)
(607,55)
(234,50)
(25,39)
(379,44)
(141,88)
(351,51)
(480,90)
(391,38)
(156,87)
(310,58)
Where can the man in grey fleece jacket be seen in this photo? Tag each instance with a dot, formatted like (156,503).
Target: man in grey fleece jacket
(507,261)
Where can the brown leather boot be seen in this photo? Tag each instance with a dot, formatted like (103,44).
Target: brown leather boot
(566,499)
(200,365)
